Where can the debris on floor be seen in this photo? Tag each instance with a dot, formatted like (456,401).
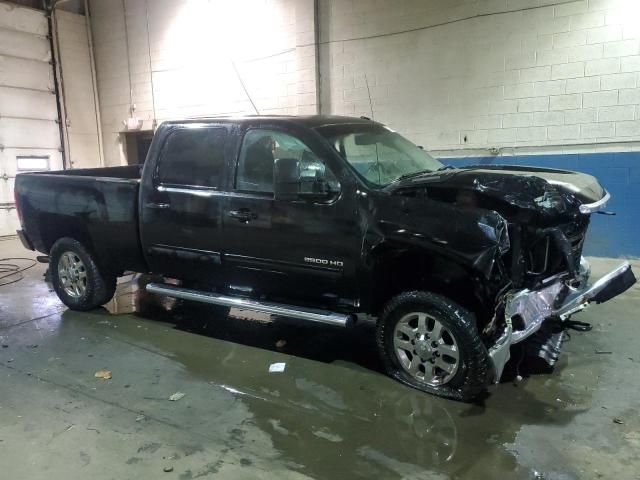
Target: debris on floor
(168,469)
(176,396)
(281,343)
(104,374)
(617,420)
(277,367)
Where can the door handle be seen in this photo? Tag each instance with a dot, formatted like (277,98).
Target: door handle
(243,215)
(159,206)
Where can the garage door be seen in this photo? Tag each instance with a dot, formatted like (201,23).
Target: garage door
(29,133)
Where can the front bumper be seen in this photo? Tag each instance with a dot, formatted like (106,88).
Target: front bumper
(526,310)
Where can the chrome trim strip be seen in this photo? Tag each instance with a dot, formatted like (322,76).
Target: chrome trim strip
(534,307)
(312,315)
(191,191)
(588,208)
(500,352)
(581,297)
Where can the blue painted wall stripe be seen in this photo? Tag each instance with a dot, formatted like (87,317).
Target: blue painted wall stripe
(619,173)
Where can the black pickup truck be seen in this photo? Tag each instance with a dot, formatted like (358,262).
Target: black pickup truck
(323,218)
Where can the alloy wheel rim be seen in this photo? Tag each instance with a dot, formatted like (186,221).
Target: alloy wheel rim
(72,274)
(426,349)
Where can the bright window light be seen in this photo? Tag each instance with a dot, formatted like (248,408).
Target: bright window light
(30,163)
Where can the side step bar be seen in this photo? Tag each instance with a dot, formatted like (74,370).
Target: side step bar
(310,314)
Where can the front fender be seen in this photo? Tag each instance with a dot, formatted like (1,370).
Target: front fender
(472,237)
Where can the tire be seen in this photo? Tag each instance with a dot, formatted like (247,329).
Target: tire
(466,377)
(99,284)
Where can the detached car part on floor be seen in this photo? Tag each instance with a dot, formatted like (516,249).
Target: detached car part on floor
(323,218)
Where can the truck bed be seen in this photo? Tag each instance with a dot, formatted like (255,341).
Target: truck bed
(98,206)
(128,172)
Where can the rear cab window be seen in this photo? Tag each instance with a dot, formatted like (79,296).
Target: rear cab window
(193,156)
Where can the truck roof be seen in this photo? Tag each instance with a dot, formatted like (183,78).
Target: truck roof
(308,121)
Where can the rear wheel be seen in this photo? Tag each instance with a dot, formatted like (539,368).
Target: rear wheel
(77,279)
(431,343)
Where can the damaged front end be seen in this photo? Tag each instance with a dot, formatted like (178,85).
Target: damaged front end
(553,277)
(538,276)
(526,311)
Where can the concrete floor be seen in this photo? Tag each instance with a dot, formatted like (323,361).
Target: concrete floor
(330,415)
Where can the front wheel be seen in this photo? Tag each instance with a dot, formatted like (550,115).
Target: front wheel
(432,344)
(77,279)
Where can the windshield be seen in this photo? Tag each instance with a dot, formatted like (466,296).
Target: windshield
(377,153)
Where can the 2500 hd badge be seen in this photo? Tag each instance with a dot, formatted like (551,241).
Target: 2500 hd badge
(323,261)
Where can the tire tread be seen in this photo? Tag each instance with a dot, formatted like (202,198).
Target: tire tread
(477,363)
(101,284)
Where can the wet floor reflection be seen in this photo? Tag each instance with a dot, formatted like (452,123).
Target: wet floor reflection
(353,346)
(327,420)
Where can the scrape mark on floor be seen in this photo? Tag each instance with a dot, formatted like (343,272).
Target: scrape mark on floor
(149,448)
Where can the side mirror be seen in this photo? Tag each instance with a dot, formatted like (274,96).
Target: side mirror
(286,179)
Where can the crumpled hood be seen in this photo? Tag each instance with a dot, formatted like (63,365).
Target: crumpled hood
(523,187)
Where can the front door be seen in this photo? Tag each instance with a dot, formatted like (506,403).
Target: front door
(182,207)
(289,250)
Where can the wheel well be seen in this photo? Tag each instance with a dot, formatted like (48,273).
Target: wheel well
(60,228)
(404,271)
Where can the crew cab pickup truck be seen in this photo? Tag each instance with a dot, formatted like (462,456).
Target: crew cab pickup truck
(324,218)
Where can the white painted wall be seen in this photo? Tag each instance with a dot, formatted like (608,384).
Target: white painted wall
(79,104)
(453,75)
(183,64)
(542,75)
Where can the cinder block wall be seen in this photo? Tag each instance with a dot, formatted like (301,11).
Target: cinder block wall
(553,83)
(451,74)
(465,75)
(181,58)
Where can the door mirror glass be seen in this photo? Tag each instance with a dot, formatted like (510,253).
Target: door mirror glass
(293,183)
(286,177)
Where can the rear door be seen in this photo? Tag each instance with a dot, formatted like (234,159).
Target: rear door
(181,204)
(297,250)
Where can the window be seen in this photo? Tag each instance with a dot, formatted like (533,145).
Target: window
(32,163)
(259,150)
(377,153)
(193,156)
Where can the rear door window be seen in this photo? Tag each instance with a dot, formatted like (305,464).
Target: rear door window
(193,156)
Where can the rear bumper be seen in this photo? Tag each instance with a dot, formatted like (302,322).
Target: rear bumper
(26,243)
(526,310)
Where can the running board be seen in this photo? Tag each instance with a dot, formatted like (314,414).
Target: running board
(302,313)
